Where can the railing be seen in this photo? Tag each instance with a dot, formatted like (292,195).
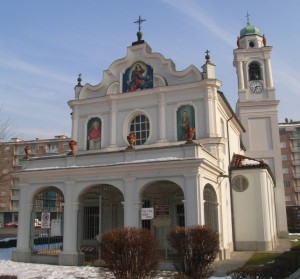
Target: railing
(296,162)
(295,136)
(296,149)
(297,189)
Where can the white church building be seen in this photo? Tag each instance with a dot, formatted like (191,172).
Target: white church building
(159,148)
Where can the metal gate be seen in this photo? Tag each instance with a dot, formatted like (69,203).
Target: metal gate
(101,209)
(167,200)
(47,222)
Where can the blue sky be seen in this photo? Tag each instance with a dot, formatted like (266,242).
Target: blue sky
(45,44)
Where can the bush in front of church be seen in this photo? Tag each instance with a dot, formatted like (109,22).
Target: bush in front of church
(130,252)
(195,248)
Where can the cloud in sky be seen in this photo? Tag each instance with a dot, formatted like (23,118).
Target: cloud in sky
(40,57)
(193,9)
(12,62)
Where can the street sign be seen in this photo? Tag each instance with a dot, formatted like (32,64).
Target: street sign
(147,213)
(45,220)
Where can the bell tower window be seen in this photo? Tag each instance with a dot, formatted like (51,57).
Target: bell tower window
(254,71)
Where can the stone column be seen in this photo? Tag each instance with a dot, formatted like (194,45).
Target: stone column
(240,73)
(192,200)
(131,212)
(23,251)
(269,78)
(113,124)
(162,118)
(69,256)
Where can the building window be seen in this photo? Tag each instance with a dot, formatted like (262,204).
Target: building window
(283,144)
(240,183)
(41,147)
(287,183)
(288,198)
(284,157)
(140,126)
(285,170)
(254,71)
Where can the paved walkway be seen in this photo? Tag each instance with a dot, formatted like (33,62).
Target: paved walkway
(238,259)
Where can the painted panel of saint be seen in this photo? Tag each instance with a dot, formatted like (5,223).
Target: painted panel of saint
(185,120)
(138,76)
(94,134)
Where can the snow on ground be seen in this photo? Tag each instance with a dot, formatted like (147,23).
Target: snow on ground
(44,271)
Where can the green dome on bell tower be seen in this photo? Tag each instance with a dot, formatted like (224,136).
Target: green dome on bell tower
(249,29)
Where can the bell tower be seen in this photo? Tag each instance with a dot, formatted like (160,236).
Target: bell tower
(257,109)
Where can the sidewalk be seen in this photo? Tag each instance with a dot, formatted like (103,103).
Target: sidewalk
(238,259)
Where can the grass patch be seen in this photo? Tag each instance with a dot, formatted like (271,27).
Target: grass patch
(295,245)
(262,258)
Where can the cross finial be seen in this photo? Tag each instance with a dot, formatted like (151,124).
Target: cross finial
(207,57)
(79,79)
(248,16)
(139,21)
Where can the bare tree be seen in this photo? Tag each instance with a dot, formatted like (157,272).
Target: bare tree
(6,158)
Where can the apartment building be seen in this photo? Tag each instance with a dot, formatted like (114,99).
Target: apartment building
(290,152)
(10,154)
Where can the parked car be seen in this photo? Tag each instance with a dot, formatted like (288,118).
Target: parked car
(12,224)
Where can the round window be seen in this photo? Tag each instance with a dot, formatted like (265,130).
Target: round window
(141,127)
(251,44)
(240,183)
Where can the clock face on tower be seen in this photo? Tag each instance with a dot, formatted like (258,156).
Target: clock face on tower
(256,86)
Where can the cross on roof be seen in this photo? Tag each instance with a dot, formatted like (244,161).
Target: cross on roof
(139,21)
(248,16)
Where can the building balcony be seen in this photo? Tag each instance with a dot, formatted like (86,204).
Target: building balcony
(297,189)
(295,136)
(296,149)
(297,203)
(297,175)
(296,162)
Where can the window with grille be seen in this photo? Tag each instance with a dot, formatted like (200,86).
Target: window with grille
(141,127)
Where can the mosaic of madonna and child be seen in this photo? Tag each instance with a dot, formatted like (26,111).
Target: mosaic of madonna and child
(94,134)
(138,77)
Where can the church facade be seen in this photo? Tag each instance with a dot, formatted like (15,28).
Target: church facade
(156,148)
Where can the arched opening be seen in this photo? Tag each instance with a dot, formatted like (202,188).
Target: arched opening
(254,71)
(210,207)
(100,209)
(166,199)
(47,220)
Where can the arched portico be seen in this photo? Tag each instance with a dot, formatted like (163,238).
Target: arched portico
(166,200)
(100,209)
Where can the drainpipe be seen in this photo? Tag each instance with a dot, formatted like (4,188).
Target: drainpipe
(229,178)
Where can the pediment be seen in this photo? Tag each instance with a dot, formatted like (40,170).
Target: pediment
(140,69)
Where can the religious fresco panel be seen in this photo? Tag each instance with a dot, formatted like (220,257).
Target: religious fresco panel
(185,120)
(138,76)
(94,134)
